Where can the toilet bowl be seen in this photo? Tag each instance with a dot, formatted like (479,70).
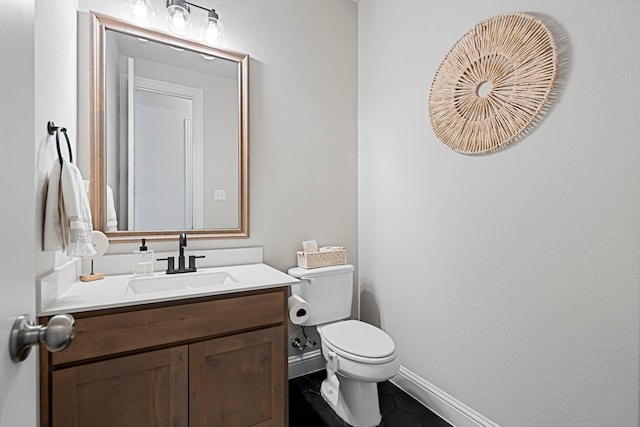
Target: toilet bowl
(357,355)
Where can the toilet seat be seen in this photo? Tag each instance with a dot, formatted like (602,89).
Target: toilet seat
(359,341)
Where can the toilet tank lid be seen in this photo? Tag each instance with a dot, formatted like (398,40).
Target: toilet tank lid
(301,273)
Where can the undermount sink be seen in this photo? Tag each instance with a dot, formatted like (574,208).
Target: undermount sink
(178,282)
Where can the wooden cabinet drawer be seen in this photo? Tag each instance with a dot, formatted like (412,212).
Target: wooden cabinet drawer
(106,334)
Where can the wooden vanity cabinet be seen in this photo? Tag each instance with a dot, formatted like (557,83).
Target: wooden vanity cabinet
(216,361)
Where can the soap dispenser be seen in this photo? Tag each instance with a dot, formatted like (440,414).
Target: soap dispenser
(143,262)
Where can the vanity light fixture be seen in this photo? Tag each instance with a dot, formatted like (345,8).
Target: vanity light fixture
(179,12)
(142,11)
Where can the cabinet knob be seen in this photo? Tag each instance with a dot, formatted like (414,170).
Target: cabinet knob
(56,336)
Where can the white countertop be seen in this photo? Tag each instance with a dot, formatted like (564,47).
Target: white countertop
(112,292)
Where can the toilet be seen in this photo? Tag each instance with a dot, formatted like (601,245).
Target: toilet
(357,354)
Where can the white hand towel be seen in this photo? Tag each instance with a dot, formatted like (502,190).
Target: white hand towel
(67,213)
(53,238)
(78,212)
(112,219)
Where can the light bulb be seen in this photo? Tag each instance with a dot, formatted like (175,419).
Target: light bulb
(178,15)
(142,11)
(212,28)
(211,31)
(178,21)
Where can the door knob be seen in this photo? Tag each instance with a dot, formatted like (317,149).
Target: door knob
(57,335)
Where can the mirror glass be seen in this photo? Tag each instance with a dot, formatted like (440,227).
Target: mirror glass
(169,135)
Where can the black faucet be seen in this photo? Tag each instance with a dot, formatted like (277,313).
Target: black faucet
(182,241)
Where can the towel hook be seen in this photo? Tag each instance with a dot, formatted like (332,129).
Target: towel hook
(51,129)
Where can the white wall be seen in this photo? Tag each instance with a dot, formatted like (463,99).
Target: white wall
(510,280)
(55,100)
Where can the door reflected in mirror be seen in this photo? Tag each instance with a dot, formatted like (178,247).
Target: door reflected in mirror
(169,133)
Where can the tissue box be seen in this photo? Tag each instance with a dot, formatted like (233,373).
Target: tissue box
(324,258)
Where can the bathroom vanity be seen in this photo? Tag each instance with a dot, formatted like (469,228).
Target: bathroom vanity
(211,356)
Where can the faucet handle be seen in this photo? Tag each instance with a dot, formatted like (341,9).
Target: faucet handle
(192,260)
(170,263)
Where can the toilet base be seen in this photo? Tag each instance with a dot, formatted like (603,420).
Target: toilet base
(355,402)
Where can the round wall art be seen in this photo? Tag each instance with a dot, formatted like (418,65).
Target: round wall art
(493,83)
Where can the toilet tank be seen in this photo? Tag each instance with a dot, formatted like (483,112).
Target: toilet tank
(328,290)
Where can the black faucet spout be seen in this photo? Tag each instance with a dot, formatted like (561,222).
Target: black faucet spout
(182,242)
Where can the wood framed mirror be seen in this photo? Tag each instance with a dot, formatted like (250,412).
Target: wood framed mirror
(169,135)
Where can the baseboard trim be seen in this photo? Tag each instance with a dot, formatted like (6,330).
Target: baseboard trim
(447,407)
(305,363)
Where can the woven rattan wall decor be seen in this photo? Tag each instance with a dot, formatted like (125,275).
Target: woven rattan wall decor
(493,83)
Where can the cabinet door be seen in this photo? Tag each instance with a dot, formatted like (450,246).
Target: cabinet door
(148,389)
(239,380)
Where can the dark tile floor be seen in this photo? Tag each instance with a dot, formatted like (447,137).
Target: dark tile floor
(307,408)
